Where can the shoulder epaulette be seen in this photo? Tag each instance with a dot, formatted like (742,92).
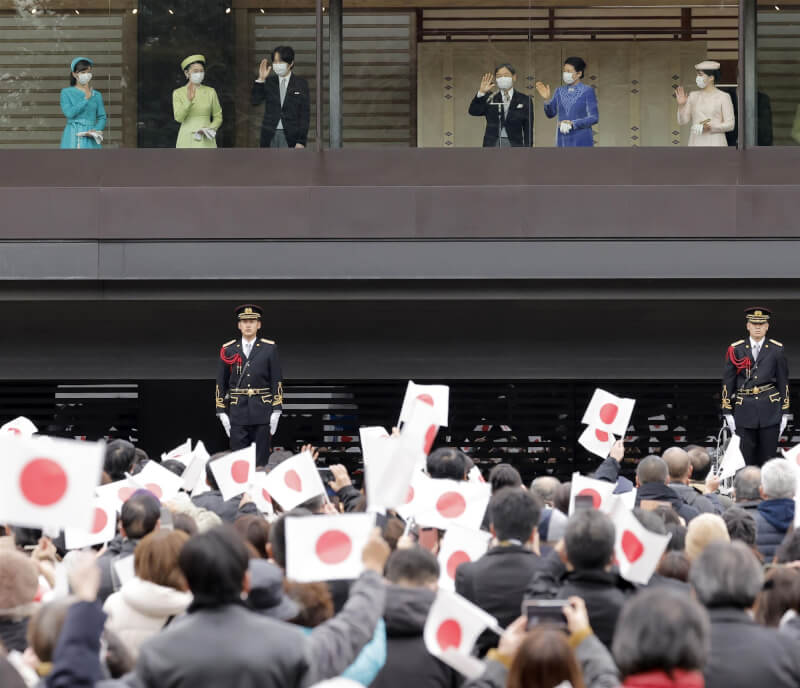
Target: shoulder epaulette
(776,342)
(227,344)
(741,341)
(267,341)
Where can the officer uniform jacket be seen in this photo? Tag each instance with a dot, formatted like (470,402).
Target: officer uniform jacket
(249,389)
(755,392)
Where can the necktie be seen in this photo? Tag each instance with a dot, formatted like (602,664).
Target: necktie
(247,348)
(756,351)
(283,90)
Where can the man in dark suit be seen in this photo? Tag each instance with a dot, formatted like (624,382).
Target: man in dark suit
(755,389)
(249,395)
(287,110)
(496,582)
(508,113)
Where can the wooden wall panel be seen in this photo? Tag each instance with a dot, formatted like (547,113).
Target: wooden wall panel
(779,71)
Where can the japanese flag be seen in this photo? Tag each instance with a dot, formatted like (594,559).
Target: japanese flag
(195,471)
(733,459)
(162,483)
(637,549)
(372,438)
(459,546)
(181,453)
(597,441)
(258,491)
(233,472)
(475,475)
(323,548)
(451,629)
(117,493)
(437,396)
(601,492)
(48,482)
(792,455)
(294,481)
(608,412)
(20,427)
(415,495)
(102,530)
(445,503)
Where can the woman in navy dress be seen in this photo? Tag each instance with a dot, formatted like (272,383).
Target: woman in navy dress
(575,104)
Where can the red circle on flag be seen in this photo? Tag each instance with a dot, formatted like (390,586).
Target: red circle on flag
(125,493)
(451,505)
(265,495)
(43,482)
(632,546)
(601,435)
(594,494)
(333,547)
(155,489)
(608,412)
(292,480)
(14,431)
(240,471)
(430,436)
(410,495)
(100,520)
(449,634)
(425,399)
(455,560)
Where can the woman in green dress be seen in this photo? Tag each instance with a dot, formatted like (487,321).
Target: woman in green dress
(196,107)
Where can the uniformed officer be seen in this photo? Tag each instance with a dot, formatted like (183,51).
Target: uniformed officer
(755,389)
(249,388)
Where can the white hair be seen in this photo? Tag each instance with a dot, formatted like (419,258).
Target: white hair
(778,479)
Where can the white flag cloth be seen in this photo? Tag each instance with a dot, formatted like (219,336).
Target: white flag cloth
(20,426)
(258,491)
(451,629)
(601,492)
(102,530)
(437,396)
(459,546)
(597,441)
(608,412)
(637,549)
(792,455)
(475,475)
(322,548)
(372,438)
(234,471)
(195,470)
(48,482)
(181,453)
(733,459)
(415,495)
(294,481)
(445,503)
(628,498)
(116,493)
(163,483)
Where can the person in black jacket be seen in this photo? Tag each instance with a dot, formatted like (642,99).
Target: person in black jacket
(287,110)
(414,577)
(652,477)
(496,582)
(508,113)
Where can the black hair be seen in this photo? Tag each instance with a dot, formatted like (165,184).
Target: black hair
(578,63)
(214,564)
(174,466)
(716,73)
(140,514)
(508,66)
(285,52)
(504,475)
(589,539)
(514,513)
(315,504)
(741,525)
(677,543)
(120,455)
(277,536)
(653,522)
(789,549)
(80,65)
(415,565)
(447,462)
(700,460)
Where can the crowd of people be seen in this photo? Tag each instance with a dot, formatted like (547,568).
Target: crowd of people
(209,602)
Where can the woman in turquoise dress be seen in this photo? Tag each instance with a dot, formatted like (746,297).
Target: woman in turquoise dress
(83,108)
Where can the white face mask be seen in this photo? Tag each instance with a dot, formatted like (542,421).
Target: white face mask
(568,77)
(280,68)
(84,78)
(504,82)
(702,81)
(197,77)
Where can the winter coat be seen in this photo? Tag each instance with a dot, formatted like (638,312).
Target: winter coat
(677,678)
(408,662)
(773,518)
(695,499)
(119,548)
(141,609)
(658,492)
(228,511)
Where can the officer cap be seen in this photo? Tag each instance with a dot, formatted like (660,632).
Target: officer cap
(757,314)
(249,311)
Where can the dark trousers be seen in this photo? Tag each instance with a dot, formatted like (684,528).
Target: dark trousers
(759,445)
(243,436)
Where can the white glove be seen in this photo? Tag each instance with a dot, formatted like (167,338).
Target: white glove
(784,422)
(731,423)
(273,422)
(565,127)
(697,129)
(226,423)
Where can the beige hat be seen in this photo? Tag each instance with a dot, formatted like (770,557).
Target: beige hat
(707,66)
(702,531)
